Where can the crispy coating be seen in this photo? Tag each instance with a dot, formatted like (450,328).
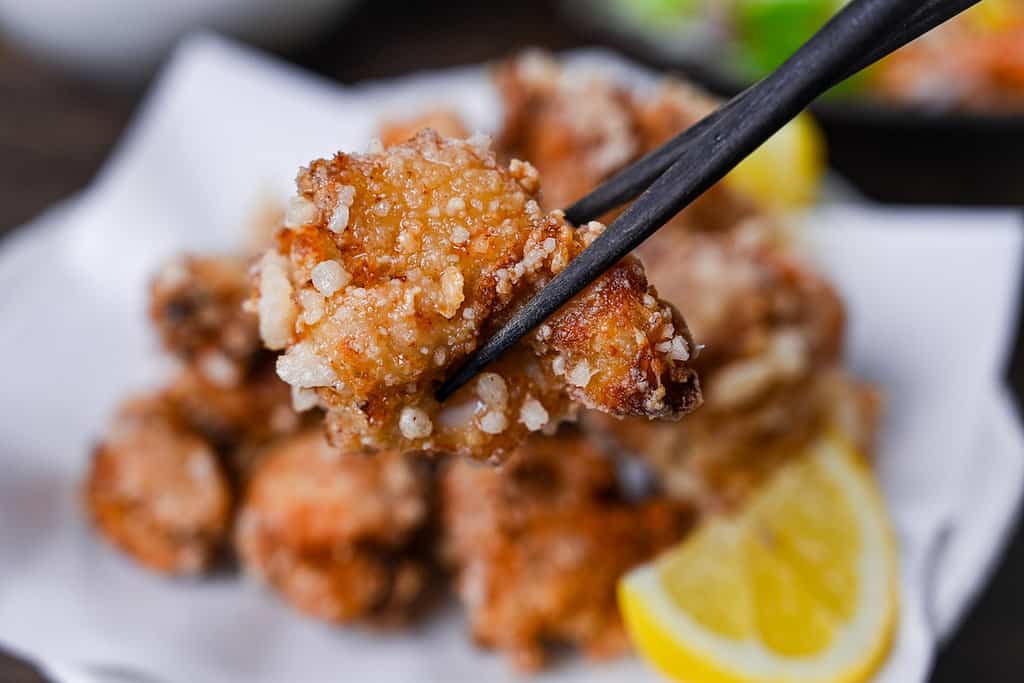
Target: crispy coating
(580,129)
(672,108)
(156,489)
(196,307)
(547,473)
(227,389)
(213,420)
(577,131)
(444,122)
(772,331)
(718,459)
(747,302)
(539,543)
(770,328)
(394,265)
(336,536)
(252,413)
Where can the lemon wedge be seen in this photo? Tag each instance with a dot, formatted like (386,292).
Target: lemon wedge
(800,586)
(994,15)
(785,172)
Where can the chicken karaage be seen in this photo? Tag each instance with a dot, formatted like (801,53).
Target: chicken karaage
(196,308)
(338,537)
(580,128)
(538,543)
(772,331)
(157,491)
(393,266)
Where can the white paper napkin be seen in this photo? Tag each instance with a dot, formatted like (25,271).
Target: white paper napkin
(930,293)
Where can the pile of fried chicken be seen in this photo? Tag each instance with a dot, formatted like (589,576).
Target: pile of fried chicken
(301,439)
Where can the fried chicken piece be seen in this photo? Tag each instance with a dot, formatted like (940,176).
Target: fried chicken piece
(444,122)
(577,131)
(772,331)
(718,458)
(337,536)
(545,474)
(227,389)
(580,129)
(394,265)
(539,543)
(252,413)
(748,302)
(160,486)
(196,307)
(157,491)
(671,109)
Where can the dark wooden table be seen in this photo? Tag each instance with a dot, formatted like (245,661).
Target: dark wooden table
(56,131)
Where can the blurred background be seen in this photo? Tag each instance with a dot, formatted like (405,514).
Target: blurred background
(940,124)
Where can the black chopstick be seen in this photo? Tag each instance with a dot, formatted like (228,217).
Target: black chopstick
(862,32)
(628,183)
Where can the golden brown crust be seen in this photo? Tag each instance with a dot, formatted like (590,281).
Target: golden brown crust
(772,331)
(717,458)
(444,122)
(196,307)
(394,265)
(577,131)
(156,490)
(336,536)
(547,473)
(580,129)
(739,297)
(253,413)
(608,331)
(160,484)
(539,543)
(227,389)
(671,109)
